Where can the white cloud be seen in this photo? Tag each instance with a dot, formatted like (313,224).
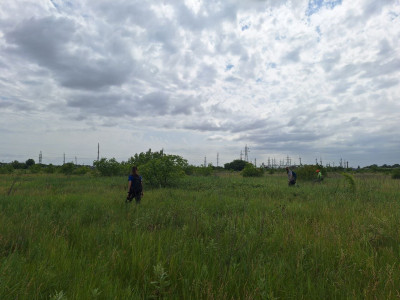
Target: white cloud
(197,77)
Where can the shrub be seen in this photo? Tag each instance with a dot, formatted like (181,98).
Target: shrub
(308,172)
(251,171)
(35,169)
(6,169)
(163,171)
(81,170)
(350,180)
(236,165)
(396,173)
(50,169)
(108,167)
(67,168)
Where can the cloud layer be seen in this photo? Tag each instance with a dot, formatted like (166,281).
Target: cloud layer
(316,79)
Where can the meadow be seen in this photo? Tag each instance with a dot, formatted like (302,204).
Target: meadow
(215,237)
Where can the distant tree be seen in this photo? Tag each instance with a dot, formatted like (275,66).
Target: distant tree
(30,162)
(164,170)
(18,165)
(236,165)
(108,167)
(67,168)
(251,171)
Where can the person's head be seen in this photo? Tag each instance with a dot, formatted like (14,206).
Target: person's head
(287,169)
(134,170)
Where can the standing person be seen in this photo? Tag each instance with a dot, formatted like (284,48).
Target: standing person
(319,176)
(291,177)
(135,186)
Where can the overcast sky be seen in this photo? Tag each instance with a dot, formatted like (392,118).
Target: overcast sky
(310,79)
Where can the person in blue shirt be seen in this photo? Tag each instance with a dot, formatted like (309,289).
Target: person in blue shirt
(135,186)
(291,177)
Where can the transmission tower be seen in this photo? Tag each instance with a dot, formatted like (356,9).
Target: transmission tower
(40,157)
(246,153)
(98,151)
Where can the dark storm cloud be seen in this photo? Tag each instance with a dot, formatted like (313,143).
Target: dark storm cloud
(56,44)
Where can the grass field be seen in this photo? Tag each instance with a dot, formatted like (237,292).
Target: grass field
(218,237)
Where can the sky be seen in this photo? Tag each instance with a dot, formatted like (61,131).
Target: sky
(203,79)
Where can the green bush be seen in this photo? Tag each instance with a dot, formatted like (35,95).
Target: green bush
(67,169)
(109,167)
(308,172)
(236,165)
(6,169)
(163,171)
(50,169)
(81,170)
(396,174)
(35,169)
(251,171)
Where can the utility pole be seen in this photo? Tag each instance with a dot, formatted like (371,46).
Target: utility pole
(98,151)
(76,161)
(64,159)
(255,162)
(40,157)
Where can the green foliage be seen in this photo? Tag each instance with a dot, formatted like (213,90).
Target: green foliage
(30,162)
(163,171)
(236,165)
(6,169)
(308,172)
(108,167)
(202,171)
(67,168)
(49,169)
(18,165)
(251,171)
(350,181)
(35,168)
(396,173)
(144,157)
(81,170)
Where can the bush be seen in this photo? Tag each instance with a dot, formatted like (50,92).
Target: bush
(308,172)
(35,169)
(6,169)
(236,165)
(251,171)
(50,169)
(163,171)
(396,174)
(67,168)
(81,171)
(109,167)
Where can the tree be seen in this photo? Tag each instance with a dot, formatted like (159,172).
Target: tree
(236,165)
(108,167)
(164,170)
(251,171)
(29,162)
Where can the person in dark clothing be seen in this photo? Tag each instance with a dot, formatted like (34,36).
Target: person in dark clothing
(291,177)
(135,186)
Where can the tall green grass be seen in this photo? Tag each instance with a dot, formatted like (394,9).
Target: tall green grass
(210,238)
